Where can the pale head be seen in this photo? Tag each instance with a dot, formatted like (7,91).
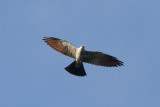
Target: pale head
(82,46)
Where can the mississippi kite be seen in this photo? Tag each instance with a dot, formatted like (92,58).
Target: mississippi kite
(81,55)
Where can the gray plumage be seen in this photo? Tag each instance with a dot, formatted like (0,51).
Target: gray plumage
(81,55)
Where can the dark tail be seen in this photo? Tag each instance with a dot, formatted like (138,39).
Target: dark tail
(76,69)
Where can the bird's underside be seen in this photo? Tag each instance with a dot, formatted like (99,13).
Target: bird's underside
(81,55)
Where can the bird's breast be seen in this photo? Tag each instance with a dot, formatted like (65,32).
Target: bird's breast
(78,55)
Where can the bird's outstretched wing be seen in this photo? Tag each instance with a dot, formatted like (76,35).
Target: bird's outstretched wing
(61,46)
(99,58)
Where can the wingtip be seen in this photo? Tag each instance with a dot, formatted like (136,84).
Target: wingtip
(44,38)
(120,63)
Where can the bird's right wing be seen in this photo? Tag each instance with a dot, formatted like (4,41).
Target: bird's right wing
(99,58)
(61,46)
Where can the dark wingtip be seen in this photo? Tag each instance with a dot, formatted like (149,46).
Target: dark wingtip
(115,62)
(120,63)
(44,38)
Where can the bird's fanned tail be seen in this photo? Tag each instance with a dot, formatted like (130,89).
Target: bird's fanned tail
(76,69)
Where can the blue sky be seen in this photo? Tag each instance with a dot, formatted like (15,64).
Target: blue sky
(33,75)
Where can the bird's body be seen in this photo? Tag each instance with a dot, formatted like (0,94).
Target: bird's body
(81,55)
(79,52)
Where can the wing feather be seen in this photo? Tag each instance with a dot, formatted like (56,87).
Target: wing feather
(99,58)
(61,46)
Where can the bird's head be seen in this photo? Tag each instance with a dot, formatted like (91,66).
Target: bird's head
(82,47)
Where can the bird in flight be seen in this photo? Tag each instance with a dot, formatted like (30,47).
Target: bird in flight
(81,55)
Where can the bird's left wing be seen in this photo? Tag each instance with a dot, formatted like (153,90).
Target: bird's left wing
(61,46)
(99,58)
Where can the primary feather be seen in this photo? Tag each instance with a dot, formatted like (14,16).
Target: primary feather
(61,46)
